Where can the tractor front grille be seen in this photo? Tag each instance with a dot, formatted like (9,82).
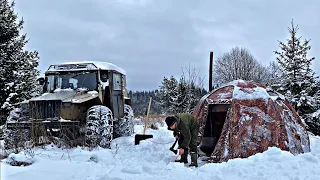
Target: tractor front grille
(41,110)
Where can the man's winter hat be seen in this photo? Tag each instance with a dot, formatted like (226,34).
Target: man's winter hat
(170,120)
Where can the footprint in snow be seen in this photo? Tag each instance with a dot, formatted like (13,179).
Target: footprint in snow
(110,178)
(131,171)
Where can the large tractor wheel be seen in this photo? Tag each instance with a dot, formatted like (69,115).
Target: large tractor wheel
(99,127)
(124,126)
(16,137)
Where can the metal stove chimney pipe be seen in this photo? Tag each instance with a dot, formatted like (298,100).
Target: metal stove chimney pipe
(210,71)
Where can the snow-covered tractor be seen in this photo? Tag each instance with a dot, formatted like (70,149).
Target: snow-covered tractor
(84,100)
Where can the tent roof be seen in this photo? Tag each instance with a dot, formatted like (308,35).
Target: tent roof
(241,90)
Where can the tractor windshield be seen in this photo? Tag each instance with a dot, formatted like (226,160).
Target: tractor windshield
(73,80)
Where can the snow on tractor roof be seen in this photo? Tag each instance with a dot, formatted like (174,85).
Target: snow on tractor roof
(86,65)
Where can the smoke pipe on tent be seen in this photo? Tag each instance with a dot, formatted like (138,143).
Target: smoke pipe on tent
(210,71)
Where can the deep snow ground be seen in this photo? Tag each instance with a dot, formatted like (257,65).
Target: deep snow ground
(153,160)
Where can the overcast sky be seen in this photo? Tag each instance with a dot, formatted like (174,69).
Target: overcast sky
(154,39)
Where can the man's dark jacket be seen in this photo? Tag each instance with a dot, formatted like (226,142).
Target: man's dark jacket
(188,127)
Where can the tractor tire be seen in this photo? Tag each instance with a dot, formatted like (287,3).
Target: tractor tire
(124,126)
(15,138)
(99,127)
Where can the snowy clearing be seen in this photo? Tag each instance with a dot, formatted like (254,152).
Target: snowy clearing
(153,160)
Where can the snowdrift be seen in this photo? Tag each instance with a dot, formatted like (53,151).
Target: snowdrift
(151,159)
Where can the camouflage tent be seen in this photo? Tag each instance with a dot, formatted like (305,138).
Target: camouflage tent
(243,118)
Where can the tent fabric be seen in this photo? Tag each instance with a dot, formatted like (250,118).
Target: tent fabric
(257,118)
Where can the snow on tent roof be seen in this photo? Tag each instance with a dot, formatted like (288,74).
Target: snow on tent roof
(243,90)
(86,65)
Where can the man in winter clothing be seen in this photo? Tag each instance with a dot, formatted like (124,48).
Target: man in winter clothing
(187,126)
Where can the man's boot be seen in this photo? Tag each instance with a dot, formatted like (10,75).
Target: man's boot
(194,159)
(184,157)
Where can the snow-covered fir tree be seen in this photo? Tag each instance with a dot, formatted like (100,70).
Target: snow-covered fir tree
(192,97)
(179,96)
(18,67)
(180,101)
(298,82)
(168,93)
(313,119)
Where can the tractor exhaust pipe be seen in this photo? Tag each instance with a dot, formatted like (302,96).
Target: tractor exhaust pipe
(210,71)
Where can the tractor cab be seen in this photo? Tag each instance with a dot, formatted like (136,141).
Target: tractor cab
(106,79)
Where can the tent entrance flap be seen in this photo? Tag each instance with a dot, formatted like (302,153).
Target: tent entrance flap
(215,120)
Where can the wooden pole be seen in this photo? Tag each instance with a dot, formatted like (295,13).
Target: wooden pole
(210,71)
(146,121)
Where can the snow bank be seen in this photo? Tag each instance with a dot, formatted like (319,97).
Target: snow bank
(23,158)
(153,160)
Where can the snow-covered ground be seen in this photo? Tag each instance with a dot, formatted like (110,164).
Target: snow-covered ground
(153,160)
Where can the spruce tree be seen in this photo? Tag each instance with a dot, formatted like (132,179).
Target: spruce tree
(179,96)
(168,94)
(181,100)
(194,95)
(18,67)
(298,82)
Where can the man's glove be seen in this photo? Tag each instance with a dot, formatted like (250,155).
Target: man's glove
(176,134)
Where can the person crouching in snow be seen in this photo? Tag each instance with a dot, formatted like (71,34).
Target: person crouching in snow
(188,127)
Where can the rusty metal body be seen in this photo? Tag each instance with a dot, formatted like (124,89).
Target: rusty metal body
(70,89)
